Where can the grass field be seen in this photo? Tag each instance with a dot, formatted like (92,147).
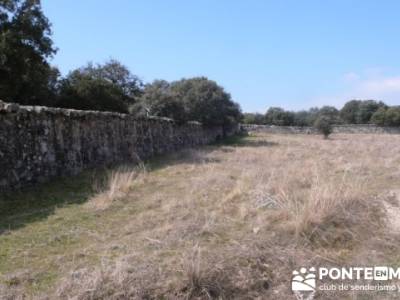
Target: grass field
(225,221)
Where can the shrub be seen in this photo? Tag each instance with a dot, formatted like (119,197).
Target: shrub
(324,125)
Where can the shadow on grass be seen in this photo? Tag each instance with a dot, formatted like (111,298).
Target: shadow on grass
(202,155)
(244,140)
(31,204)
(193,156)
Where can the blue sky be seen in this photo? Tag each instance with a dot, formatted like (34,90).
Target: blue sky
(293,54)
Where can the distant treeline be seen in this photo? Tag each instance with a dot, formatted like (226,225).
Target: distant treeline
(26,77)
(353,112)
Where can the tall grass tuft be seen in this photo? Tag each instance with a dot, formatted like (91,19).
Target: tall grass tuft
(117,185)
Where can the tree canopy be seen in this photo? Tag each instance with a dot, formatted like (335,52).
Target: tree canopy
(278,116)
(360,111)
(205,101)
(107,87)
(158,100)
(353,112)
(195,99)
(253,118)
(387,116)
(25,46)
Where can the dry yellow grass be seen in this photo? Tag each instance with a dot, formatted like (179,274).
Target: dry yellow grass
(233,221)
(118,184)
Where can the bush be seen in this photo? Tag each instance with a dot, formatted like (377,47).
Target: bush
(324,125)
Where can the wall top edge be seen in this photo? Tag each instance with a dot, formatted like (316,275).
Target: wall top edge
(14,108)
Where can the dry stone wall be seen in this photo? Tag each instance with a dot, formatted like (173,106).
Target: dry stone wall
(278,129)
(38,143)
(367,128)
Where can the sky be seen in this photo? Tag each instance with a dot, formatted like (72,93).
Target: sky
(293,54)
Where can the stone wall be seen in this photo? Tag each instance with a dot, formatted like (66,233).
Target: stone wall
(367,128)
(37,143)
(278,129)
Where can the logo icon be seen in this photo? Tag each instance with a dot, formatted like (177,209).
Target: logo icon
(304,280)
(304,283)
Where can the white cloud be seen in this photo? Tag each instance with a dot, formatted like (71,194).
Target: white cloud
(365,85)
(381,86)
